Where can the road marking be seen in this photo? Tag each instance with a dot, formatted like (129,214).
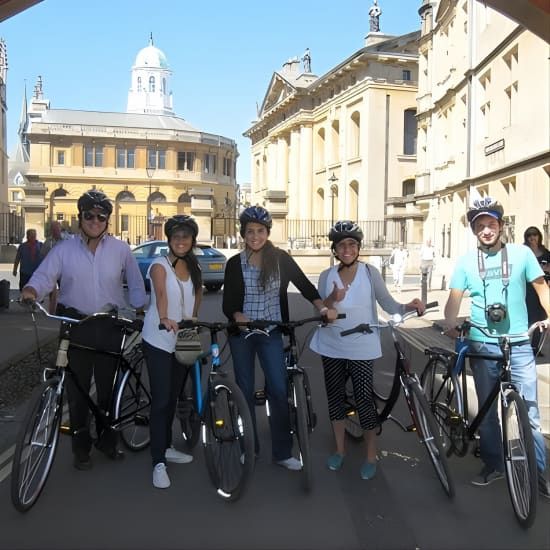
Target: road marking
(5,472)
(7,454)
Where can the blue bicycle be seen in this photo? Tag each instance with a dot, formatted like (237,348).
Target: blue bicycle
(219,416)
(444,381)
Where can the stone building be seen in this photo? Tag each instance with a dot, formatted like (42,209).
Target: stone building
(148,161)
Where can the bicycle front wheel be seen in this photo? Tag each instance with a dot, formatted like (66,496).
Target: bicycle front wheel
(187,414)
(133,405)
(351,421)
(36,444)
(228,439)
(427,430)
(519,458)
(444,396)
(299,402)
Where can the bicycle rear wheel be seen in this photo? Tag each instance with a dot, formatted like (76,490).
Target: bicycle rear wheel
(427,430)
(133,405)
(351,421)
(228,439)
(36,444)
(299,405)
(443,394)
(519,458)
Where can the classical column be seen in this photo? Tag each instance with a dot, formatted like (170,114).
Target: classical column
(305,183)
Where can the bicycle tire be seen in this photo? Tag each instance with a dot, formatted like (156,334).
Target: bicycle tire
(36,444)
(519,458)
(427,430)
(442,391)
(228,439)
(188,416)
(298,401)
(133,405)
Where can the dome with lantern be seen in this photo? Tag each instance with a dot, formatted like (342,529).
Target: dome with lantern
(151,57)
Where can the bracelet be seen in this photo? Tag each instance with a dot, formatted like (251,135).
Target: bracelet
(323,310)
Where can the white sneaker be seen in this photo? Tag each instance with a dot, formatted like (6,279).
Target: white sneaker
(173,455)
(160,476)
(290,463)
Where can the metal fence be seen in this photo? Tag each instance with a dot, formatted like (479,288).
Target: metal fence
(314,233)
(12,228)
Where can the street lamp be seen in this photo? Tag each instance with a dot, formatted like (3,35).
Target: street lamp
(150,171)
(333,191)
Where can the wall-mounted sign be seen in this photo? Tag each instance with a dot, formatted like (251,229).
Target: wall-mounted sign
(494,147)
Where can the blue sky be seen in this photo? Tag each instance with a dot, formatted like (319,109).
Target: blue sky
(222,54)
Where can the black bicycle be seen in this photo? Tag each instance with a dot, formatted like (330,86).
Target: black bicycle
(445,381)
(130,407)
(302,415)
(221,416)
(423,421)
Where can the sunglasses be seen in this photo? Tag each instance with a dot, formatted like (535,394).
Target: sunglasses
(88,216)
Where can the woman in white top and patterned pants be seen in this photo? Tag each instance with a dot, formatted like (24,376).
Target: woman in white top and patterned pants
(353,288)
(176,292)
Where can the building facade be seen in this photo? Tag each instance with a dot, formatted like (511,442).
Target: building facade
(483,122)
(340,146)
(151,163)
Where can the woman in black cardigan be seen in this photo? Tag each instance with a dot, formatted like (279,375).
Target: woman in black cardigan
(255,287)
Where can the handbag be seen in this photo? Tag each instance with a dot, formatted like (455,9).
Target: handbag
(188,346)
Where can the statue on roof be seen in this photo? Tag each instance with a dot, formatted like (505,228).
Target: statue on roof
(375,12)
(306,58)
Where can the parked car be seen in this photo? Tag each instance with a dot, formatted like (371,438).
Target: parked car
(212,262)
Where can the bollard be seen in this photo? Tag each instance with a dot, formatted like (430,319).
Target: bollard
(443,283)
(424,286)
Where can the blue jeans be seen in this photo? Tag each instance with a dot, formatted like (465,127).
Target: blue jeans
(165,378)
(270,352)
(524,373)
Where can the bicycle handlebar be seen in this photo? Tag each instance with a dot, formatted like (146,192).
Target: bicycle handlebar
(134,324)
(396,320)
(466,325)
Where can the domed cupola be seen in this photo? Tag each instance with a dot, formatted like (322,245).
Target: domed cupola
(149,92)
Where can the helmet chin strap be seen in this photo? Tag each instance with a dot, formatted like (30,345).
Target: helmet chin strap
(182,258)
(88,238)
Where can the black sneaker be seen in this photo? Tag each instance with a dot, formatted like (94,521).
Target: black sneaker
(82,461)
(544,486)
(487,476)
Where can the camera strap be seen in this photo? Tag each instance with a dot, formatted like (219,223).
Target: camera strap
(505,268)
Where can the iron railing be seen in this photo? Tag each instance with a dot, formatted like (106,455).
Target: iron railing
(12,228)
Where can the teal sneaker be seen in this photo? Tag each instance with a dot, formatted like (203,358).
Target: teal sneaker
(334,462)
(368,470)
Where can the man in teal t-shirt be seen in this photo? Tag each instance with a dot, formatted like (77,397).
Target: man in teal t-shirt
(496,276)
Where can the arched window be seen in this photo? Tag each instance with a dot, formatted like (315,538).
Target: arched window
(157,196)
(335,141)
(185,198)
(320,148)
(409,132)
(60,192)
(125,196)
(408,187)
(151,83)
(353,208)
(139,88)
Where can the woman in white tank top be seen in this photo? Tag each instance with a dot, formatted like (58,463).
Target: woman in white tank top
(176,292)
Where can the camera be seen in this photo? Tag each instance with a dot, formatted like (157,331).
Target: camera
(495,313)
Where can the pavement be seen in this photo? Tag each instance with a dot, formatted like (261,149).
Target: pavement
(19,334)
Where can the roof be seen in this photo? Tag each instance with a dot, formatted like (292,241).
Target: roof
(101,118)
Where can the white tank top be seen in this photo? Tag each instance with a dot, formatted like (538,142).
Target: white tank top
(181,301)
(358,307)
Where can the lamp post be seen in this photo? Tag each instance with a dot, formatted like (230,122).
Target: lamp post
(150,171)
(333,190)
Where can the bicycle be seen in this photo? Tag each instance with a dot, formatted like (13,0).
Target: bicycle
(423,422)
(37,440)
(302,415)
(445,381)
(221,415)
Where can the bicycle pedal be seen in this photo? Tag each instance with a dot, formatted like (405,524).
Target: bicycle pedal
(410,428)
(65,429)
(260,398)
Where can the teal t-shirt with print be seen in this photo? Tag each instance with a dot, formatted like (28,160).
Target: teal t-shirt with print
(523,268)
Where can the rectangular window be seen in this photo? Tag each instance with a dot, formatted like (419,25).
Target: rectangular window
(209,163)
(156,158)
(125,157)
(227,167)
(60,157)
(93,155)
(186,161)
(406,74)
(60,216)
(124,222)
(410,131)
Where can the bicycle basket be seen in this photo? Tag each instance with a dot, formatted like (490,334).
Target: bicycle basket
(188,346)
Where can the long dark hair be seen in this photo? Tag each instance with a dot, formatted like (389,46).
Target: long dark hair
(270,263)
(536,231)
(194,269)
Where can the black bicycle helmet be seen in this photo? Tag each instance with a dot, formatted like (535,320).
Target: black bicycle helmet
(180,221)
(345,229)
(484,207)
(94,199)
(256,214)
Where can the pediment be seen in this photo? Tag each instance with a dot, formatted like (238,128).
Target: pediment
(279,89)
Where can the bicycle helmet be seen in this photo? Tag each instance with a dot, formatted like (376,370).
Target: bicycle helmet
(256,214)
(343,230)
(484,207)
(181,221)
(94,199)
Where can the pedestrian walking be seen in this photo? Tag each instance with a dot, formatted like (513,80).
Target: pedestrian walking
(427,261)
(56,236)
(27,258)
(398,263)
